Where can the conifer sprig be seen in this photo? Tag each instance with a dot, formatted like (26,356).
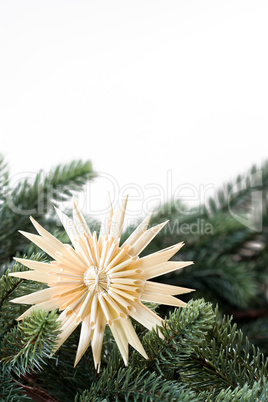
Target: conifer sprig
(26,347)
(174,341)
(130,385)
(11,391)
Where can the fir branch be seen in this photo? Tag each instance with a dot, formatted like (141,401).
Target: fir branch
(60,379)
(221,361)
(258,392)
(129,385)
(26,347)
(174,342)
(11,391)
(201,355)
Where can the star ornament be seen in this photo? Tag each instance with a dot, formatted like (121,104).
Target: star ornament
(98,282)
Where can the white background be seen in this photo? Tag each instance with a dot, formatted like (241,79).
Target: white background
(158,94)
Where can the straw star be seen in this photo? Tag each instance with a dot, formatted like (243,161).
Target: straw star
(99,282)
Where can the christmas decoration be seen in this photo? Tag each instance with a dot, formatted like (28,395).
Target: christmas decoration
(198,354)
(98,281)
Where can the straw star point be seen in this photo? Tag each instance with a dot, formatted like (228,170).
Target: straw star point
(98,282)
